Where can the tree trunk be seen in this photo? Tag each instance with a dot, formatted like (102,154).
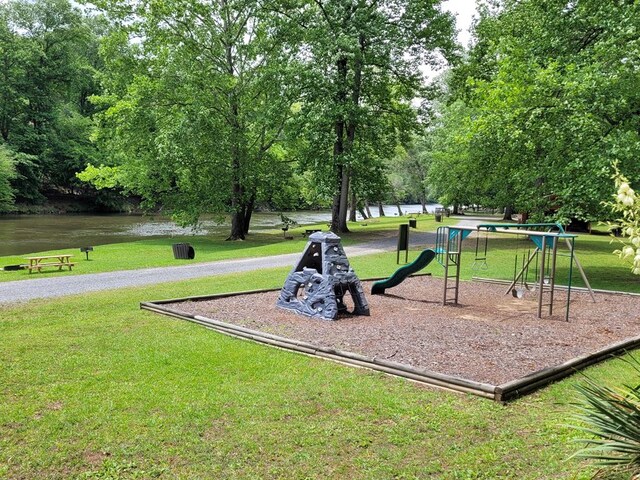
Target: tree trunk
(344,202)
(363,214)
(237,189)
(508,213)
(248,212)
(354,206)
(367,209)
(339,207)
(424,205)
(237,226)
(380,210)
(399,209)
(456,209)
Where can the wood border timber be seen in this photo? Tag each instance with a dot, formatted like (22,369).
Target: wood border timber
(500,393)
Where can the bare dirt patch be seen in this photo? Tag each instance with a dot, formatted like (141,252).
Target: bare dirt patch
(488,337)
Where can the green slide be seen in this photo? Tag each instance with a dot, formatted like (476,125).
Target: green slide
(403,272)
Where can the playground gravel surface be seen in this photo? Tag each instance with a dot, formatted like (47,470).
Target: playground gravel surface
(488,337)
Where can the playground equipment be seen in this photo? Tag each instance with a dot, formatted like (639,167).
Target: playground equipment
(424,259)
(448,251)
(316,285)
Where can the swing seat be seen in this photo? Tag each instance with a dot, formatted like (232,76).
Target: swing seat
(517,292)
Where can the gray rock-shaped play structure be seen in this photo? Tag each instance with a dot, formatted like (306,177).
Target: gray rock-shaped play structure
(317,284)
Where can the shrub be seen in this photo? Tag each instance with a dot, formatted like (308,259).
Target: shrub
(612,416)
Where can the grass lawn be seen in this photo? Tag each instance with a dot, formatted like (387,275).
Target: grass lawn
(92,387)
(158,252)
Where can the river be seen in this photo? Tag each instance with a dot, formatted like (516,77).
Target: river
(21,234)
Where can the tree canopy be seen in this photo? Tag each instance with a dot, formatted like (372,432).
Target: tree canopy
(551,100)
(48,57)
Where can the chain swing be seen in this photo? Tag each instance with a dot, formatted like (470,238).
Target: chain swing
(480,262)
(523,274)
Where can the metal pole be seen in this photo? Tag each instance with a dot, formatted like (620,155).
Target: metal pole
(552,280)
(459,254)
(446,266)
(543,252)
(566,315)
(515,280)
(571,246)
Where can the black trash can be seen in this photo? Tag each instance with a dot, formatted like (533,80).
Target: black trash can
(183,251)
(438,217)
(413,223)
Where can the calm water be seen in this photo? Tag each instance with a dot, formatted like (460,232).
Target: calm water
(20,234)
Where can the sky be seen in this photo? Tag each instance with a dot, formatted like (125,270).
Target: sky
(464,11)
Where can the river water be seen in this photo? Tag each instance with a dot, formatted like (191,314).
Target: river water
(21,234)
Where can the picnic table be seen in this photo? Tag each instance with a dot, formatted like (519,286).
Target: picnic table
(59,260)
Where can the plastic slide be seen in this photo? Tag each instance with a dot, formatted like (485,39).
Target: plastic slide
(425,257)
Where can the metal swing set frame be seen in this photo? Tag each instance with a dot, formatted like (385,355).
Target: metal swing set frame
(546,240)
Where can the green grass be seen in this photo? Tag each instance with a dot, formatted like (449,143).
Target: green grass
(158,252)
(93,387)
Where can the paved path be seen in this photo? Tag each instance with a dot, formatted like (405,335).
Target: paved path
(23,290)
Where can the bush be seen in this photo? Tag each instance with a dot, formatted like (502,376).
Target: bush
(612,417)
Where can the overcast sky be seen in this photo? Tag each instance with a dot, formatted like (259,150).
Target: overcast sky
(464,11)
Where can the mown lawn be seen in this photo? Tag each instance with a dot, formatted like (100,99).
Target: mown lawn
(158,252)
(93,387)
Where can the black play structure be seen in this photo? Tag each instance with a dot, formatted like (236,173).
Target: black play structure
(318,282)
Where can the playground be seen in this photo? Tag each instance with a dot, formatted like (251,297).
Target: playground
(489,337)
(480,336)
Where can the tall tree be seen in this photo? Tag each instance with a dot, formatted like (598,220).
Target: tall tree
(7,173)
(363,60)
(45,78)
(553,89)
(196,103)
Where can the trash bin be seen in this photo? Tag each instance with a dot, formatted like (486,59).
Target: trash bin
(413,223)
(438,217)
(183,251)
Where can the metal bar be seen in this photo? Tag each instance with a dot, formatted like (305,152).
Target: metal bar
(543,252)
(571,246)
(459,248)
(513,284)
(533,233)
(566,314)
(446,267)
(552,280)
(521,225)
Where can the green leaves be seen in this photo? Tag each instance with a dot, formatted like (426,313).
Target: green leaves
(555,104)
(611,416)
(7,173)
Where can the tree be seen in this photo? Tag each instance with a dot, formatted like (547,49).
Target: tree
(626,205)
(196,104)
(363,60)
(551,86)
(7,173)
(45,53)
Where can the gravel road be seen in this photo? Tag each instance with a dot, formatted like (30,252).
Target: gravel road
(24,290)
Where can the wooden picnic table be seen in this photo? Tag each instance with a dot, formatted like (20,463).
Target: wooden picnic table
(59,260)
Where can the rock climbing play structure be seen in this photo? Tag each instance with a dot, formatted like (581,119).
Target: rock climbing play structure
(317,284)
(545,237)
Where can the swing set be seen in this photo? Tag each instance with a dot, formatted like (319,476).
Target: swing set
(545,238)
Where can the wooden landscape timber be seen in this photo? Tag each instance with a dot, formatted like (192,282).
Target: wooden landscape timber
(499,392)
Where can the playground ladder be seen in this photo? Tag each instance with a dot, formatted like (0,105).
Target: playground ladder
(448,238)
